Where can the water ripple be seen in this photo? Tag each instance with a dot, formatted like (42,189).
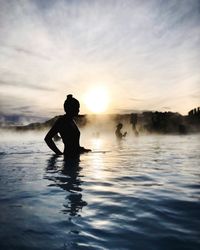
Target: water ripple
(139,195)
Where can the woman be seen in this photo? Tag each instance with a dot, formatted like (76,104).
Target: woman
(68,131)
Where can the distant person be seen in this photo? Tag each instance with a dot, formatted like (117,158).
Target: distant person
(68,130)
(118,132)
(133,121)
(136,132)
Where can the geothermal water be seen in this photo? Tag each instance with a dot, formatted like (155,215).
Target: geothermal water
(141,193)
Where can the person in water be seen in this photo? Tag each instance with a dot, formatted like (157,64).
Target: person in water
(68,130)
(118,132)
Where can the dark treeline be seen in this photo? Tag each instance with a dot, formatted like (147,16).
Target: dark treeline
(163,122)
(194,116)
(146,122)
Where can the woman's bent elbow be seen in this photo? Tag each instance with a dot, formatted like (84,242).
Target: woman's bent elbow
(46,139)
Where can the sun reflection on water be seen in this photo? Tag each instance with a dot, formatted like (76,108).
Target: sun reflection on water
(97,161)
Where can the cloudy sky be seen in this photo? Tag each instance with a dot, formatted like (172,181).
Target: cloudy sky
(145,53)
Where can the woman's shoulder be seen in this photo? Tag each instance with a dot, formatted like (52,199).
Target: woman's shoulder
(60,119)
(63,119)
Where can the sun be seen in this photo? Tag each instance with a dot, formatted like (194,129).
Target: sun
(96,99)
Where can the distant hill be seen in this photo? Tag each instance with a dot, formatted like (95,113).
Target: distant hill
(36,125)
(151,122)
(18,119)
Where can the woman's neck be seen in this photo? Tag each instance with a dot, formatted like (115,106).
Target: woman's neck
(69,117)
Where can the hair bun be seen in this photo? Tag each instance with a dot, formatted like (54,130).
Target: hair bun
(69,96)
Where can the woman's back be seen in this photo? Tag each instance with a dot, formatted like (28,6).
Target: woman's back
(69,133)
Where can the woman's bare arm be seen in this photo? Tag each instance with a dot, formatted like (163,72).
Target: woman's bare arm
(49,140)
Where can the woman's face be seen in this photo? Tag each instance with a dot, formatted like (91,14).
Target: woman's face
(77,109)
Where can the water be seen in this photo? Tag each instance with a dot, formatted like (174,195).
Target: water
(142,193)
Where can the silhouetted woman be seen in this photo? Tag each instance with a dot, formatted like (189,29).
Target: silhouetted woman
(68,131)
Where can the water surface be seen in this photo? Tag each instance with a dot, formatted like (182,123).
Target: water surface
(142,193)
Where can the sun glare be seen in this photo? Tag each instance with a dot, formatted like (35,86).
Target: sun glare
(96,100)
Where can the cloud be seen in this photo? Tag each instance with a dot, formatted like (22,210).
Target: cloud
(166,108)
(24,85)
(25,51)
(137,99)
(21,107)
(146,52)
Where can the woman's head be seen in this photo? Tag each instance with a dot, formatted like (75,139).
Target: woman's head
(119,125)
(71,106)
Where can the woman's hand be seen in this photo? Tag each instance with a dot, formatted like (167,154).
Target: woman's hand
(84,150)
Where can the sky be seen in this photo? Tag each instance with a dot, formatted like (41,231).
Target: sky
(144,53)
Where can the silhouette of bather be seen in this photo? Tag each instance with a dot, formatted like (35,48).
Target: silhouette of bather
(118,132)
(68,130)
